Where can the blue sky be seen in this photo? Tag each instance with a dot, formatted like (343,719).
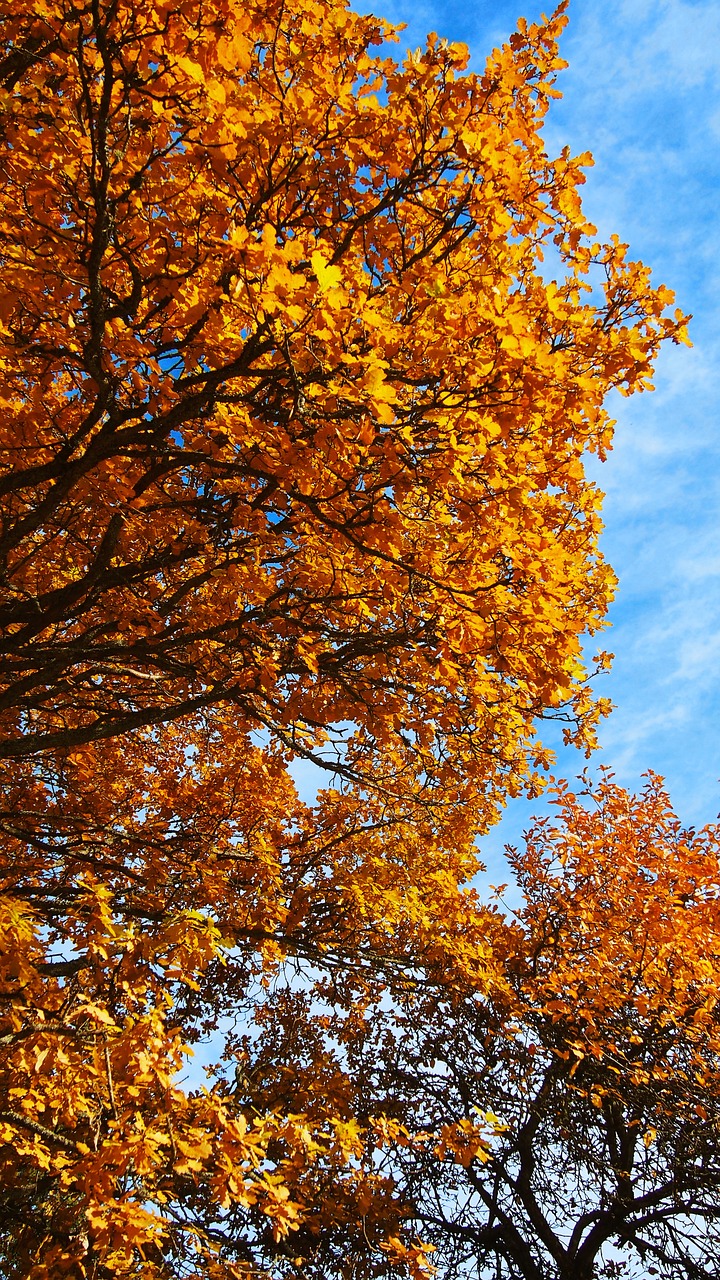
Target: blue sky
(642,92)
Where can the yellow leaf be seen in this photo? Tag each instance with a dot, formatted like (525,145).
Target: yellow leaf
(328,276)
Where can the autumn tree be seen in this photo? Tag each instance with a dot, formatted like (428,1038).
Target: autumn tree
(586,1082)
(292,444)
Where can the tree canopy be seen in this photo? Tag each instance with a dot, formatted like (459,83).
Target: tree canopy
(301,352)
(586,1080)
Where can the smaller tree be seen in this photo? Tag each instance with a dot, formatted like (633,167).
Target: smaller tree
(596,1060)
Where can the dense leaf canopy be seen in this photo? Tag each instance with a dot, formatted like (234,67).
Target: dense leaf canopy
(301,351)
(577,1098)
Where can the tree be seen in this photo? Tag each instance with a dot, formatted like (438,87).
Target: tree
(294,429)
(587,1084)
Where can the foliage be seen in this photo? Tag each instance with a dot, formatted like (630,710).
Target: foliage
(593,1074)
(293,436)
